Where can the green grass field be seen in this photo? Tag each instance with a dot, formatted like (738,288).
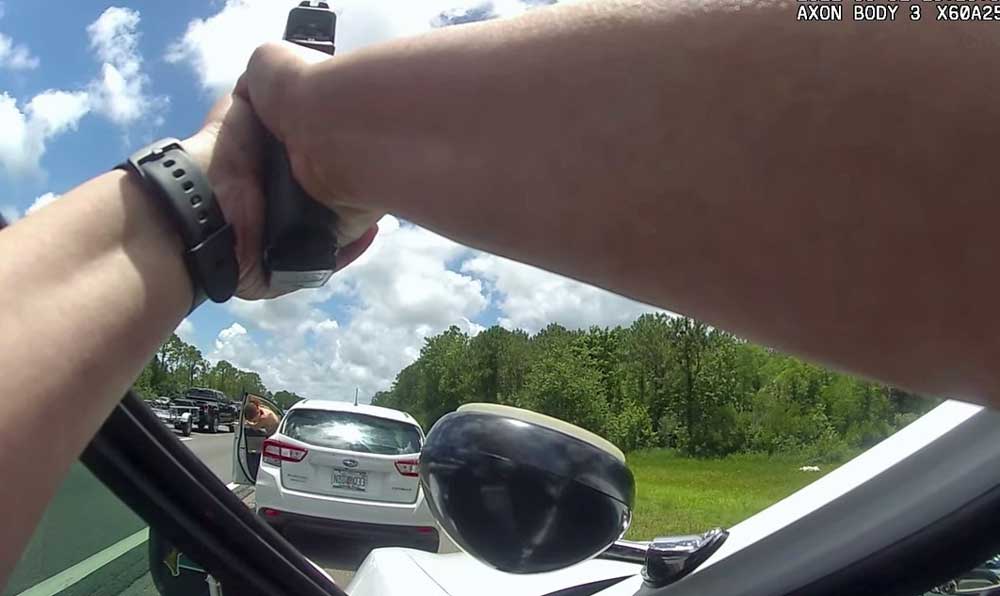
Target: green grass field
(680,495)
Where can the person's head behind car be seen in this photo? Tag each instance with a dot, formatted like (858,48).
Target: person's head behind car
(250,411)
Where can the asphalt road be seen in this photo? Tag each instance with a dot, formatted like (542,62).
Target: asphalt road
(85,519)
(215,450)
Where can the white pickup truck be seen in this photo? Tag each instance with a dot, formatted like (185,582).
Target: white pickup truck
(176,416)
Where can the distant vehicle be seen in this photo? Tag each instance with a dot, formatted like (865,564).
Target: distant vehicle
(175,416)
(345,469)
(214,408)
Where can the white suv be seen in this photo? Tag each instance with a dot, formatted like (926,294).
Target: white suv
(351,469)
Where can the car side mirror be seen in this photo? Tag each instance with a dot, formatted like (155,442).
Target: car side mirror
(524,492)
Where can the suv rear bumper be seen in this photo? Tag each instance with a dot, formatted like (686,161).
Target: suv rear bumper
(423,537)
(271,493)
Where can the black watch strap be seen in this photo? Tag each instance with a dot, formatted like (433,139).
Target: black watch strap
(183,190)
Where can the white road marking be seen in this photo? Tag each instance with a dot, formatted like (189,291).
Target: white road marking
(67,577)
(184,439)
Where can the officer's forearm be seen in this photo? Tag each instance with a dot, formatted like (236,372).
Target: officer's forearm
(90,287)
(825,188)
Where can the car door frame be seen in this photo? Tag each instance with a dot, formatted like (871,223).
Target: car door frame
(241,474)
(145,465)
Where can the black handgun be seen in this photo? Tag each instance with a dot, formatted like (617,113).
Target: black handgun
(300,242)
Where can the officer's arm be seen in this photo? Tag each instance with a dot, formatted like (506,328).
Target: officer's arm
(825,188)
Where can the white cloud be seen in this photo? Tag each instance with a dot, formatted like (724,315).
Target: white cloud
(235,345)
(121,91)
(185,330)
(13,142)
(218,47)
(232,332)
(57,111)
(281,314)
(404,289)
(398,293)
(402,279)
(41,201)
(26,132)
(113,37)
(530,298)
(15,56)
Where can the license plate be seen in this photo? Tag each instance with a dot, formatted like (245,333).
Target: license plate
(350,479)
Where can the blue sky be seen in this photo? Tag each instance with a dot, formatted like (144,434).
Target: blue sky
(84,84)
(59,41)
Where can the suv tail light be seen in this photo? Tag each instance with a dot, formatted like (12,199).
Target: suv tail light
(275,452)
(408,467)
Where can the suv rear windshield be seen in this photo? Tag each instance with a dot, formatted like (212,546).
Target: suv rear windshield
(352,432)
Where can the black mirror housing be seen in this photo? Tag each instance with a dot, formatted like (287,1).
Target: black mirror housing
(523,492)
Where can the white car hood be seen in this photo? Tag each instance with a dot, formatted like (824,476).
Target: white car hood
(397,571)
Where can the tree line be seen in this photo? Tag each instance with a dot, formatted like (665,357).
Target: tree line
(661,382)
(178,365)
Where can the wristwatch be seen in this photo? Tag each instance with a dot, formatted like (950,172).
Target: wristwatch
(180,187)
